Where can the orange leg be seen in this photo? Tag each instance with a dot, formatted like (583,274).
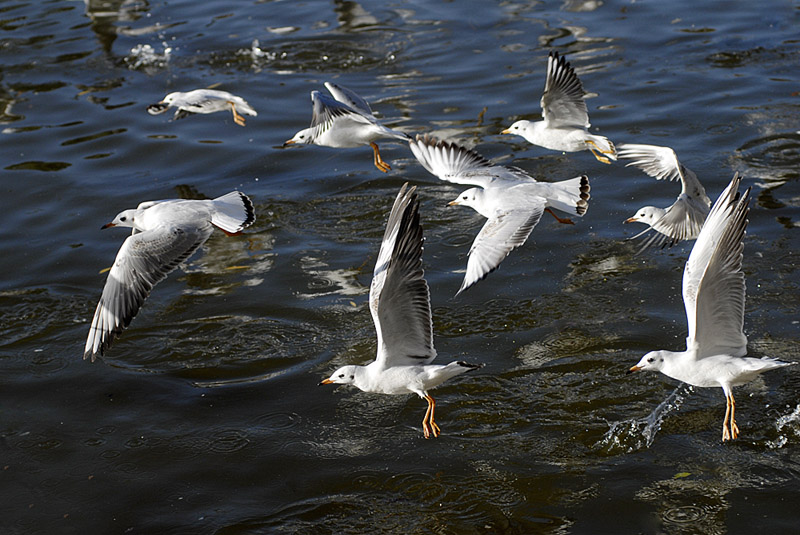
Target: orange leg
(379,163)
(429,427)
(434,428)
(593,147)
(426,430)
(564,220)
(726,434)
(238,119)
(734,427)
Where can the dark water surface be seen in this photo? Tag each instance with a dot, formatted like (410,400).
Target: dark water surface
(205,416)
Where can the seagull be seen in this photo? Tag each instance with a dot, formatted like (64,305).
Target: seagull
(682,220)
(345,121)
(399,301)
(510,199)
(165,233)
(713,295)
(564,117)
(203,101)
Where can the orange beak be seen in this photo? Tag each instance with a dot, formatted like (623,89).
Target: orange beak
(107,225)
(634,369)
(325,382)
(630,220)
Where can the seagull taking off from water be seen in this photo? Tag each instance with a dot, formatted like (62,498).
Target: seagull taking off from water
(565,119)
(345,121)
(713,295)
(203,101)
(165,233)
(401,309)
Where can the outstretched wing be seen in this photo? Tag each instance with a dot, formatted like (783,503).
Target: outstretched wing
(501,234)
(326,109)
(563,101)
(713,281)
(348,97)
(453,163)
(143,260)
(399,298)
(658,162)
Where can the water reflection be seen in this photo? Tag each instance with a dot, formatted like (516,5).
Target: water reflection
(106,14)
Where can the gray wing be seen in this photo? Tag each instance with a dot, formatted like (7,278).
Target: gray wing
(713,280)
(348,97)
(326,110)
(659,162)
(662,163)
(143,260)
(453,163)
(683,219)
(563,101)
(181,113)
(501,234)
(399,299)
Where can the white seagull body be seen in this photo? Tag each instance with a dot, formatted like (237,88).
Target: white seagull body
(714,296)
(345,121)
(399,301)
(203,101)
(165,233)
(565,119)
(512,201)
(685,217)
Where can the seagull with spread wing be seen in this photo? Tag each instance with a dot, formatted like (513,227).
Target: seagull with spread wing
(203,101)
(165,233)
(399,301)
(713,296)
(684,218)
(565,120)
(509,198)
(343,121)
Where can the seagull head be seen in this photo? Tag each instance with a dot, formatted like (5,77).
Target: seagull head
(518,128)
(471,197)
(653,361)
(647,214)
(303,136)
(346,375)
(126,218)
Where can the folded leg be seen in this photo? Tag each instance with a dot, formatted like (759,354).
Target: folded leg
(379,163)
(238,119)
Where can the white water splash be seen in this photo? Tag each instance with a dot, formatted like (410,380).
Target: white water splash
(145,57)
(788,424)
(635,434)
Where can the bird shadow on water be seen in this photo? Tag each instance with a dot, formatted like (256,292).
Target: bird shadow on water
(635,434)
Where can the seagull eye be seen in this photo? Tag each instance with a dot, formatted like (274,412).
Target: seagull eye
(651,359)
(123,218)
(341,375)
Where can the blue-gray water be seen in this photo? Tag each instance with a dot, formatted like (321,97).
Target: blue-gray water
(205,417)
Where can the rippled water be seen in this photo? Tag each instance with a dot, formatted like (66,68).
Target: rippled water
(205,416)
